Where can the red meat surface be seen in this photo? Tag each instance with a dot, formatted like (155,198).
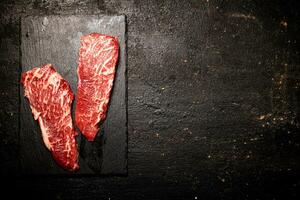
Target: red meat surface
(50,98)
(98,57)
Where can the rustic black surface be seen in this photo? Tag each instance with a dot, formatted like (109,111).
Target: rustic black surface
(213,99)
(56,40)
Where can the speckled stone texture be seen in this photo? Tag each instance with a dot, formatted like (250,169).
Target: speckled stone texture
(213,99)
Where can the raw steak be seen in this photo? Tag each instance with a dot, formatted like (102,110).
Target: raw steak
(98,57)
(50,99)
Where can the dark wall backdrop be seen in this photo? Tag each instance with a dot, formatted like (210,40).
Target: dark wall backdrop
(213,100)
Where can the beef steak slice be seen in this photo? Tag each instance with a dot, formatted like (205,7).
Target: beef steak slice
(50,98)
(98,56)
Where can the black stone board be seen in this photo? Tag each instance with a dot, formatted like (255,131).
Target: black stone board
(56,40)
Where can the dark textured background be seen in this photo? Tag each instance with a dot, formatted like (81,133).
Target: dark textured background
(213,100)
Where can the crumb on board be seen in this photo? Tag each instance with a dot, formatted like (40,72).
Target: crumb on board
(283,23)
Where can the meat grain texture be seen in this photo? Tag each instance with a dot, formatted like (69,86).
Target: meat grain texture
(50,99)
(98,56)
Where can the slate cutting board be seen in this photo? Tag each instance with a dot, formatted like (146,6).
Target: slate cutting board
(56,40)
